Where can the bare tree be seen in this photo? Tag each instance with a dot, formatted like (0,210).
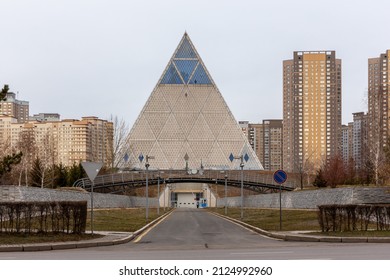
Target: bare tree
(335,171)
(304,170)
(121,132)
(27,146)
(46,160)
(376,135)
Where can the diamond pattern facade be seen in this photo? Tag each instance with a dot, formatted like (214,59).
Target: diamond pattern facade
(187,115)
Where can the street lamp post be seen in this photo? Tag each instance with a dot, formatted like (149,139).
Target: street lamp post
(232,157)
(158,193)
(165,190)
(147,186)
(242,183)
(209,195)
(226,193)
(242,187)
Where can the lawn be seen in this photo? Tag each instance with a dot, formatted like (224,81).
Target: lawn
(25,238)
(293,220)
(126,220)
(269,219)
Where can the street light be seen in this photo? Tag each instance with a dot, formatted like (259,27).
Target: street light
(147,187)
(226,176)
(242,187)
(242,183)
(158,193)
(165,190)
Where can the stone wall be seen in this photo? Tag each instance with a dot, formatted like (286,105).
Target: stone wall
(296,199)
(311,199)
(16,193)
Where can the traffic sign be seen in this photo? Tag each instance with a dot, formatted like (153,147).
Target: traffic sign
(280,176)
(92,169)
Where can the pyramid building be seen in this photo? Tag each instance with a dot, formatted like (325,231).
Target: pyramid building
(186,123)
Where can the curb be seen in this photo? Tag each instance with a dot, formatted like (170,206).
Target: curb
(78,244)
(306,238)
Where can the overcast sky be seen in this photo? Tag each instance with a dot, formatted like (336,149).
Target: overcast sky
(104,57)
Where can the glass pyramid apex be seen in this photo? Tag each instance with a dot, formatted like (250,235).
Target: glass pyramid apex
(185,49)
(186,66)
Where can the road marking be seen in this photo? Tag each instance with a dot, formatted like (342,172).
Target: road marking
(244,227)
(263,253)
(138,239)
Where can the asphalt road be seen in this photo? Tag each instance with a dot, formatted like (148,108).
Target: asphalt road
(195,234)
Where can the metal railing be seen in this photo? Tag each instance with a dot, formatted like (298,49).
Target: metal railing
(258,181)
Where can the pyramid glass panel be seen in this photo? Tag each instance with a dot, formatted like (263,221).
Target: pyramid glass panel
(187,115)
(185,68)
(200,77)
(171,76)
(185,50)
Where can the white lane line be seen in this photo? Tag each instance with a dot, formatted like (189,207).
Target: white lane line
(262,253)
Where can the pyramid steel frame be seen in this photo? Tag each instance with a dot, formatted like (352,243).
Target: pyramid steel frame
(186,123)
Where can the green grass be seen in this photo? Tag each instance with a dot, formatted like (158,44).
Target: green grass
(269,219)
(128,220)
(125,220)
(25,238)
(293,220)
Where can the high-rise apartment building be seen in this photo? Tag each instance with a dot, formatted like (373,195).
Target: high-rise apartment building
(311,109)
(266,141)
(346,142)
(67,141)
(256,138)
(16,108)
(273,144)
(359,139)
(378,99)
(5,133)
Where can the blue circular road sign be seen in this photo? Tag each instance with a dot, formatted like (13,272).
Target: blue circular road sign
(280,176)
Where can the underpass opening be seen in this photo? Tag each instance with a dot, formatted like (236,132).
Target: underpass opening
(190,195)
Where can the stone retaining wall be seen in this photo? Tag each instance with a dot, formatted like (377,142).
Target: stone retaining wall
(310,199)
(15,193)
(296,199)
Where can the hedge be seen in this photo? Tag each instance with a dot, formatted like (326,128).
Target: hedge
(353,217)
(43,217)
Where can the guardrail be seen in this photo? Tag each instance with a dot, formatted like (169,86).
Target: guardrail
(254,180)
